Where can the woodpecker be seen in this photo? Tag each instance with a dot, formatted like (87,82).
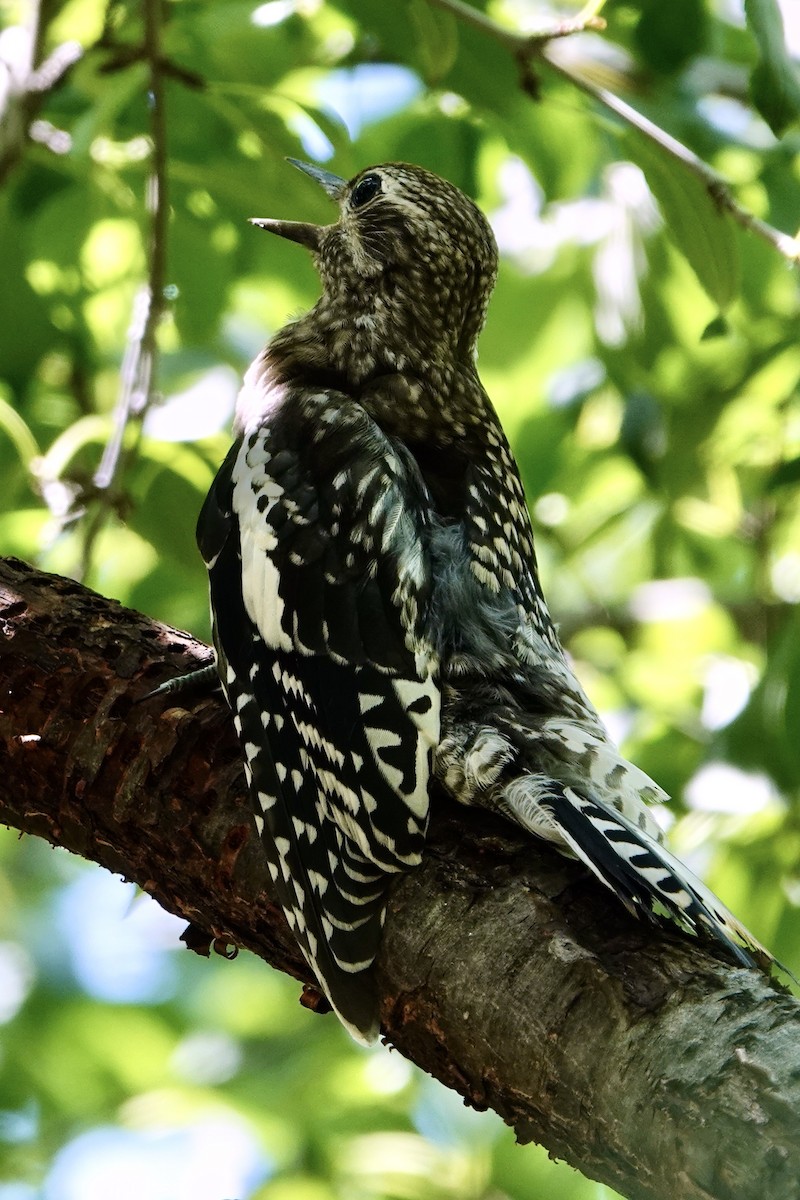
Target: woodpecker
(377,612)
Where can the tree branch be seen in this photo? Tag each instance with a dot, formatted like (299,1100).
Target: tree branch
(538,48)
(506,972)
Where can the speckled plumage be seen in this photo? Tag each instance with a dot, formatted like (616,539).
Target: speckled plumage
(377,610)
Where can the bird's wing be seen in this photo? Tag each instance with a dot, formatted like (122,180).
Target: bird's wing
(499,540)
(314,538)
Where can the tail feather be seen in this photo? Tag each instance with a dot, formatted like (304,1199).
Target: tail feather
(642,873)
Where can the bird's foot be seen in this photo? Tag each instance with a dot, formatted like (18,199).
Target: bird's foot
(201,678)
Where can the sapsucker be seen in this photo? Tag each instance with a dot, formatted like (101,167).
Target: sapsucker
(377,612)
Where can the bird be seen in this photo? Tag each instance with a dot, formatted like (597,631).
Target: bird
(377,613)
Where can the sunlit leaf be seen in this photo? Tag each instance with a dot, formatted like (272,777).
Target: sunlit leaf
(700,229)
(436,38)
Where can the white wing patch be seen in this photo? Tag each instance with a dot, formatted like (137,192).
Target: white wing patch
(421,700)
(260,578)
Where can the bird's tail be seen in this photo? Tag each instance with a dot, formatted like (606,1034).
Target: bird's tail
(641,872)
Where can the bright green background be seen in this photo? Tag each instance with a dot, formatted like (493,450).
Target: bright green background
(650,453)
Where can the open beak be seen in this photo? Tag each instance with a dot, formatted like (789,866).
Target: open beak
(305,234)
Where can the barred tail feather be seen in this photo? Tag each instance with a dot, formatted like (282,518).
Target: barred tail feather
(643,873)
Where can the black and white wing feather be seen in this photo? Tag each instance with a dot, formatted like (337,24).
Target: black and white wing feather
(314,536)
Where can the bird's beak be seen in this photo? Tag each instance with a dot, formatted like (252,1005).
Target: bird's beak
(331,184)
(296,231)
(305,234)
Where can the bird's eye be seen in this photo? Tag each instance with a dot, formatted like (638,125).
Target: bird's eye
(368,187)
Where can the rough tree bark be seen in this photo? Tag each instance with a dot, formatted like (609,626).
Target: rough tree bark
(506,972)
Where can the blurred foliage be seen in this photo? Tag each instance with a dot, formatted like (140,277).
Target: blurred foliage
(659,444)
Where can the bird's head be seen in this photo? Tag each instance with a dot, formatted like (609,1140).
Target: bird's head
(411,258)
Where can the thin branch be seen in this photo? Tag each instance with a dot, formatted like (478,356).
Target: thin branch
(26,79)
(537,47)
(587,19)
(718,187)
(478,20)
(139,366)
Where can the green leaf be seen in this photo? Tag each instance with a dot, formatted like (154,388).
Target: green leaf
(436,40)
(642,434)
(23,313)
(774,83)
(765,732)
(113,95)
(700,231)
(716,328)
(787,473)
(668,35)
(174,479)
(202,263)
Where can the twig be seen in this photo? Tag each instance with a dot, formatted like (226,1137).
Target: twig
(479,20)
(718,187)
(26,79)
(526,48)
(139,364)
